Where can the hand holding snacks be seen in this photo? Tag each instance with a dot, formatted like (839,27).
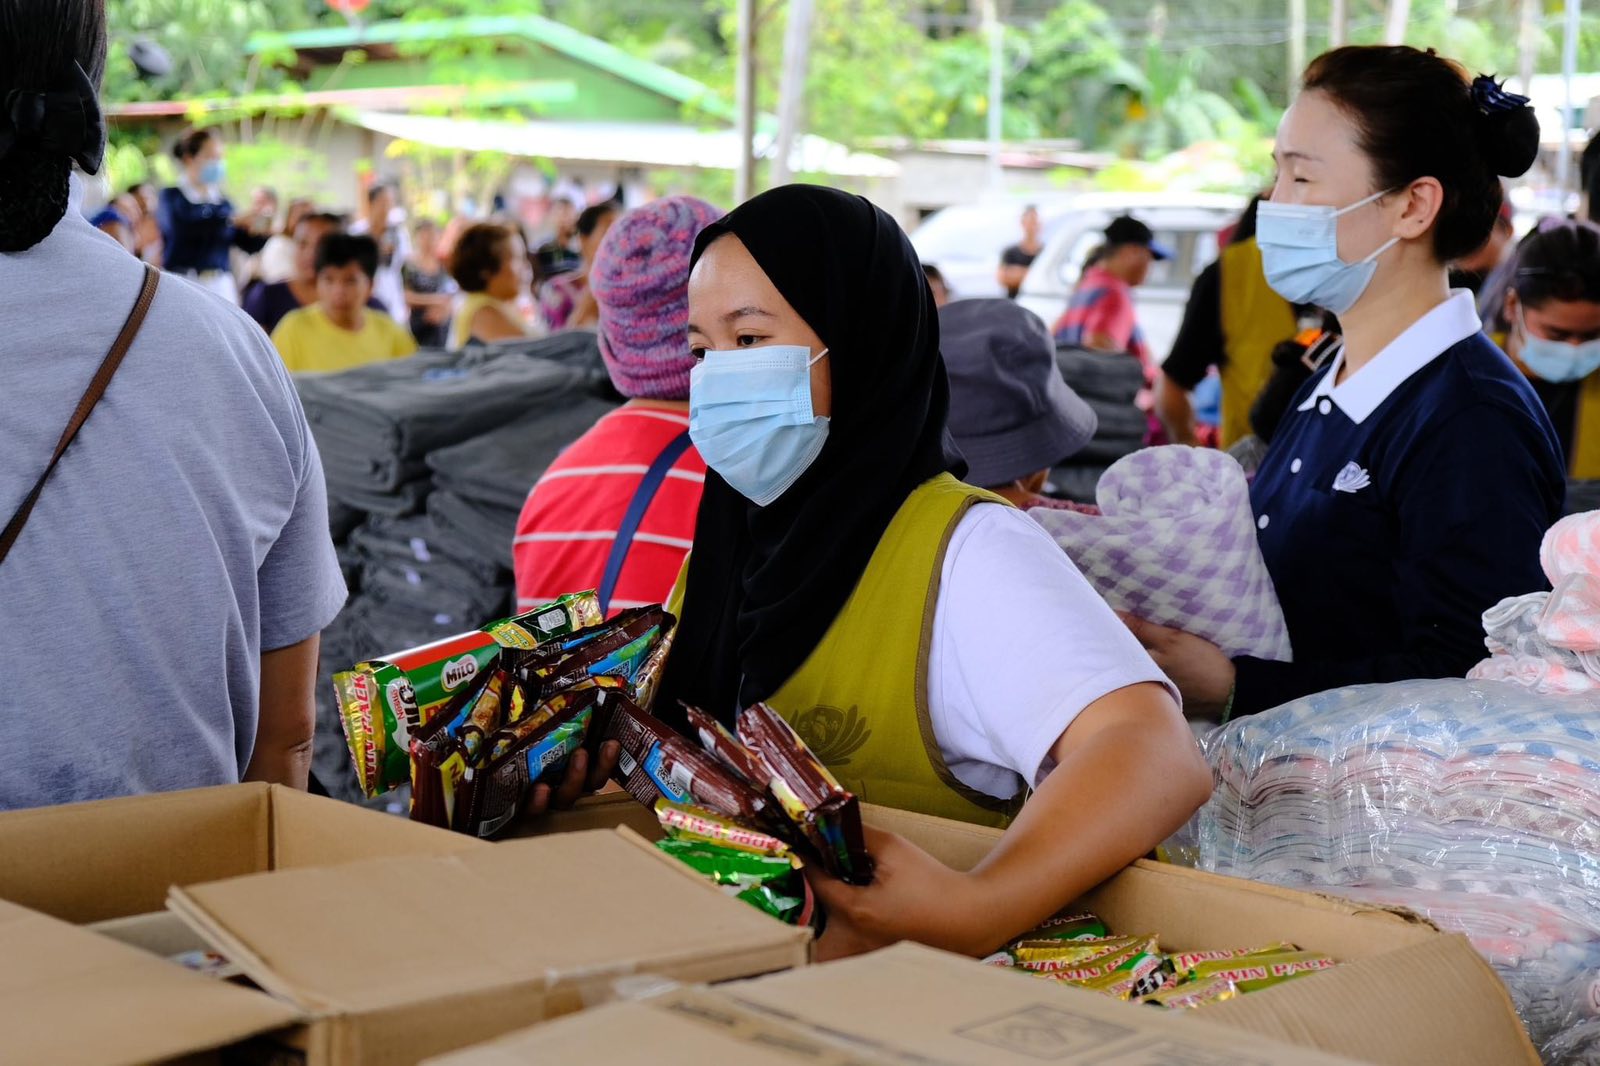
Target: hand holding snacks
(485,716)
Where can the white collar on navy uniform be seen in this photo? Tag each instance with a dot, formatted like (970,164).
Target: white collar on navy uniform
(1429,337)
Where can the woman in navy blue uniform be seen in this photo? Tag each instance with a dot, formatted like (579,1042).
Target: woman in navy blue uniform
(197,220)
(1414,475)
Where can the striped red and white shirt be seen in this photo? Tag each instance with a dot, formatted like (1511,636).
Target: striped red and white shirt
(570,520)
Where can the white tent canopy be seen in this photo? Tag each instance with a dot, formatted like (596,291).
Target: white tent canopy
(645,144)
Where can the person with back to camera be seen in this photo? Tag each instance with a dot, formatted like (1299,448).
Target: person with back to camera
(1413,477)
(180,539)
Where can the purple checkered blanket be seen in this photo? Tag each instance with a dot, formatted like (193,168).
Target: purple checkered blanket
(1175,544)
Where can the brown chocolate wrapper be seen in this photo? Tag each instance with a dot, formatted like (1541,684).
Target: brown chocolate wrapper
(545,672)
(726,749)
(486,713)
(657,763)
(829,816)
(495,793)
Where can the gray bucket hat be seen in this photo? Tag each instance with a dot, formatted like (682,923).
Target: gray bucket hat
(1010,410)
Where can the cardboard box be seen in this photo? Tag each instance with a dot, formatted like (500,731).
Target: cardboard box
(1406,992)
(73,998)
(104,993)
(904,1004)
(90,862)
(392,960)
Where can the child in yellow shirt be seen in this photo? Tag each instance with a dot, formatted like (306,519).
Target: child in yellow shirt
(339,331)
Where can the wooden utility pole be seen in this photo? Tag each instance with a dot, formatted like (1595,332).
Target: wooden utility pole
(792,91)
(744,176)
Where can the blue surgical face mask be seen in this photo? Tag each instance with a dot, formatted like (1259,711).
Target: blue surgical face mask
(1300,251)
(750,417)
(1557,361)
(214,172)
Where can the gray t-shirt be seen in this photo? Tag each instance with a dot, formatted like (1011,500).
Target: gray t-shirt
(184,531)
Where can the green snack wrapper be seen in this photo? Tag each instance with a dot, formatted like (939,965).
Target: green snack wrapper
(1073,927)
(759,880)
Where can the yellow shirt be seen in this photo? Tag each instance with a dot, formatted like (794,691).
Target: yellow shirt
(309,342)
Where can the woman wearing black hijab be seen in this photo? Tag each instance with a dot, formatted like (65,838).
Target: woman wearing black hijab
(936,649)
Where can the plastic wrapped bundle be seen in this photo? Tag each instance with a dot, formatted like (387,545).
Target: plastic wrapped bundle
(1549,961)
(1474,802)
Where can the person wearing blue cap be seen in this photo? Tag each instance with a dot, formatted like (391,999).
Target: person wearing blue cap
(1011,413)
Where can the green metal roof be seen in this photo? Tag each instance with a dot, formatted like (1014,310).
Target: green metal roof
(534,28)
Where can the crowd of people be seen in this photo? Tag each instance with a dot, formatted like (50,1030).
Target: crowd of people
(843,467)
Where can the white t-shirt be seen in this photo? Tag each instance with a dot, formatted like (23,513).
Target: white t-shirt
(1021,645)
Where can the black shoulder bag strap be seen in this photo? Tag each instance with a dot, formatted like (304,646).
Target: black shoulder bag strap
(91,396)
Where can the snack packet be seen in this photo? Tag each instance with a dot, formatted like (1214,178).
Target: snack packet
(1141,975)
(495,792)
(827,815)
(383,701)
(763,882)
(648,680)
(1184,962)
(1188,994)
(617,648)
(697,825)
(1254,972)
(1071,927)
(725,747)
(657,763)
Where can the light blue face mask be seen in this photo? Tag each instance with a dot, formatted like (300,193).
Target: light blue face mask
(1558,361)
(1300,252)
(750,417)
(214,172)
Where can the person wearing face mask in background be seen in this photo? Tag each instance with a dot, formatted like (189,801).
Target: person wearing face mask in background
(1550,325)
(196,218)
(897,618)
(1412,478)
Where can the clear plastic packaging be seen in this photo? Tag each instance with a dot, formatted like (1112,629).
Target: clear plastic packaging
(1475,803)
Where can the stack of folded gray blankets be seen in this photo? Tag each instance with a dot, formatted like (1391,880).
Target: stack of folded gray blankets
(428,461)
(1110,383)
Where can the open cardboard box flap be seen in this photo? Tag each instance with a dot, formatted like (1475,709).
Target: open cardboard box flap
(70,996)
(1406,992)
(90,862)
(926,1006)
(573,909)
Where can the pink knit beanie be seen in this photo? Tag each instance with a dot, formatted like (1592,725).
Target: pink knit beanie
(640,280)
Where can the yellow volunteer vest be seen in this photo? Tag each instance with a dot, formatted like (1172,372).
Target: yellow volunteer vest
(1585,462)
(861,700)
(1254,321)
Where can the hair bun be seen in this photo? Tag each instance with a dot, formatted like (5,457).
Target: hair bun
(1507,128)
